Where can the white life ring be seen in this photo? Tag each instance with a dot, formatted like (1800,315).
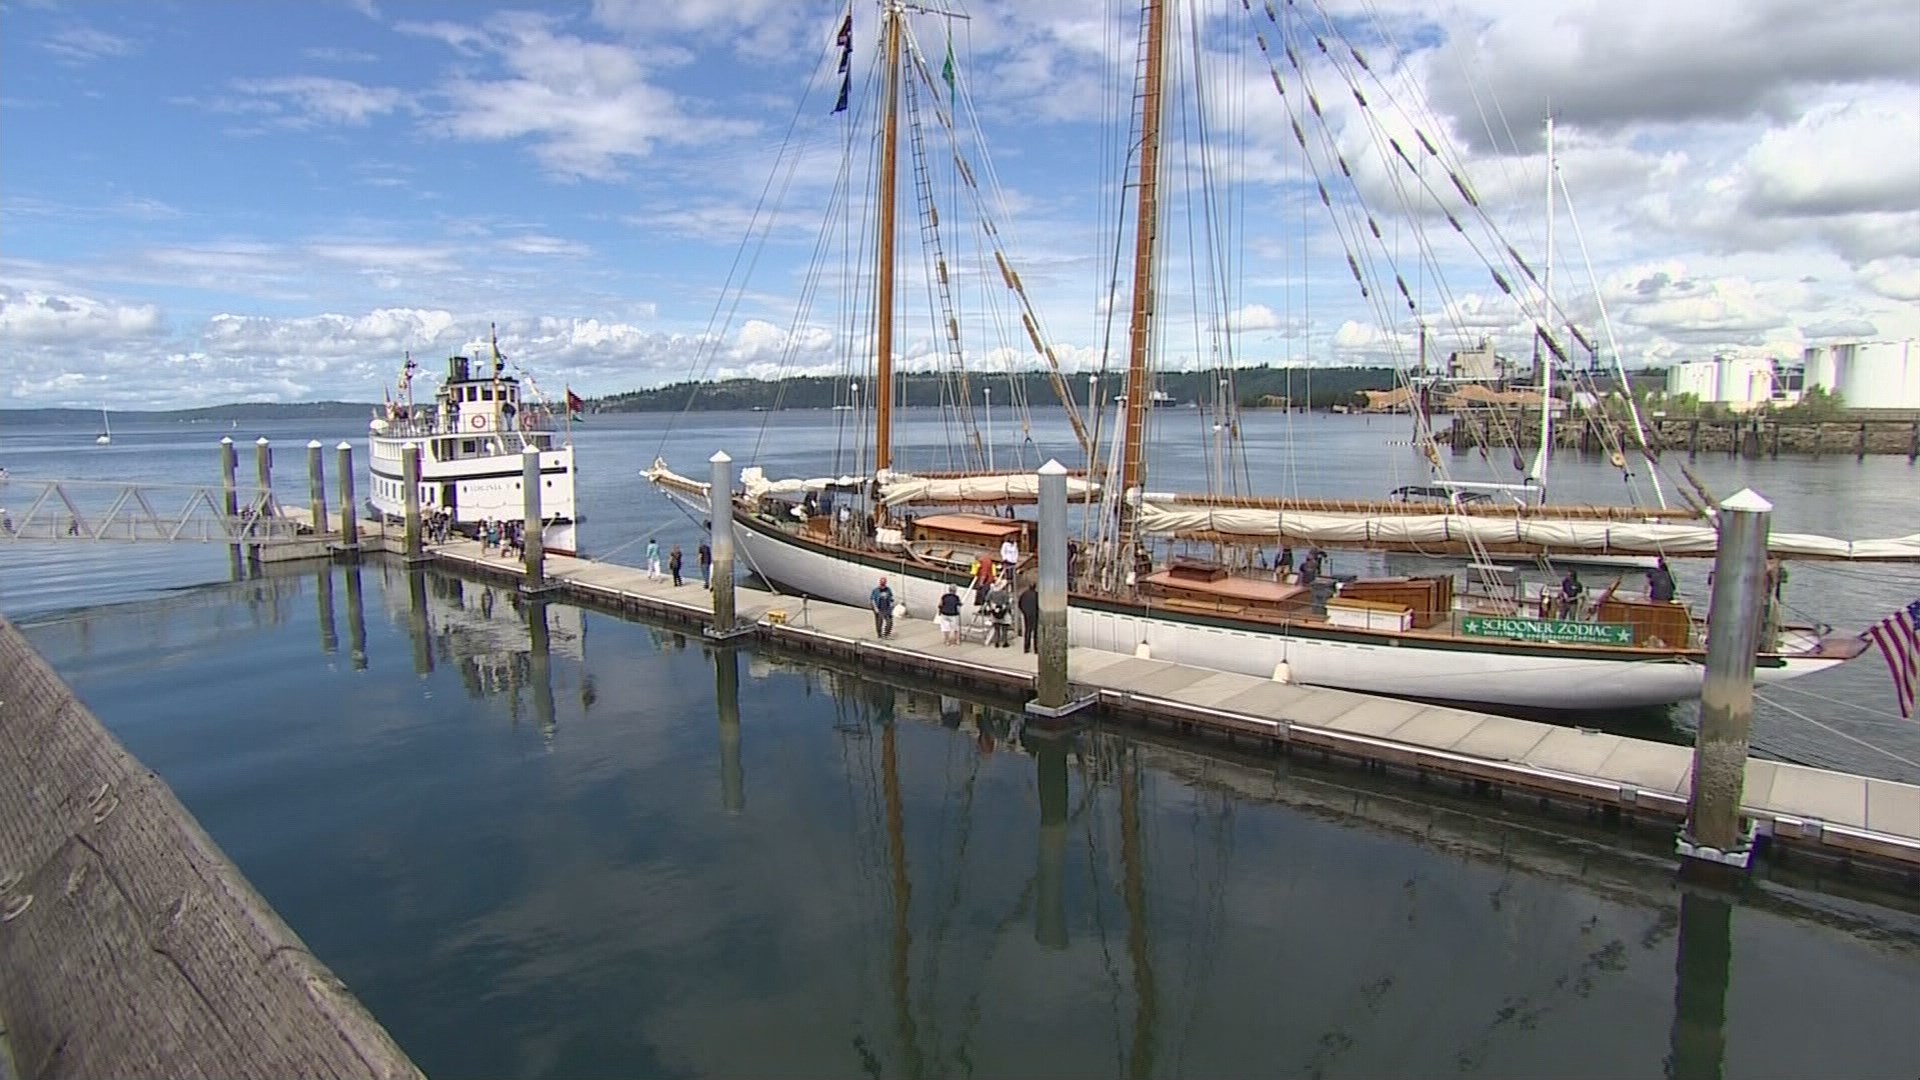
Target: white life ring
(479,423)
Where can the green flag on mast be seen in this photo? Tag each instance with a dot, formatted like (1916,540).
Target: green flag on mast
(946,69)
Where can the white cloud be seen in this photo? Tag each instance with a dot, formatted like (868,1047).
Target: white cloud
(84,44)
(35,318)
(305,100)
(1896,278)
(589,108)
(1850,157)
(533,244)
(1610,64)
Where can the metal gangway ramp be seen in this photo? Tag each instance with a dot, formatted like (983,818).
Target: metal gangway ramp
(105,511)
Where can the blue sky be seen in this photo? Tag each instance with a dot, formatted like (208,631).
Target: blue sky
(215,201)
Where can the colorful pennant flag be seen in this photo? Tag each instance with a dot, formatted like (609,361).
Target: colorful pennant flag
(845,40)
(575,406)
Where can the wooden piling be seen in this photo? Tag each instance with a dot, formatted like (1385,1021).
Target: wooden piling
(263,474)
(534,551)
(720,538)
(1860,443)
(230,500)
(1913,442)
(349,514)
(317,487)
(1776,440)
(1693,439)
(1713,837)
(410,498)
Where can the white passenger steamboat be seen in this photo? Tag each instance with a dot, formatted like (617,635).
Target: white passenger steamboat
(471,442)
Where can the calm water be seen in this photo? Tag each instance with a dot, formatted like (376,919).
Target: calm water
(602,850)
(1839,719)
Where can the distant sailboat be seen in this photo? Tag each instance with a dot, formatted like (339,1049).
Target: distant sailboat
(105,438)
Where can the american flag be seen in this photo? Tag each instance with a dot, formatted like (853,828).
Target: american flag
(1898,636)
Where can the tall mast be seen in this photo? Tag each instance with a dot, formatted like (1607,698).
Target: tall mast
(889,150)
(1146,232)
(1538,474)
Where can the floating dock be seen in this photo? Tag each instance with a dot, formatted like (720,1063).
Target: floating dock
(1840,816)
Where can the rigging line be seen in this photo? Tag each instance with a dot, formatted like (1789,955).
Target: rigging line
(708,338)
(1830,729)
(1883,718)
(1613,344)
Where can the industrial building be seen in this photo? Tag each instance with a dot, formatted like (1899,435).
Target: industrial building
(1865,374)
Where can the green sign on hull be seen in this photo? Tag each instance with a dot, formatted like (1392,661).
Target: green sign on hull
(1566,632)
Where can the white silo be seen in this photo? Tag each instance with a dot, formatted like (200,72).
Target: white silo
(1819,368)
(1746,382)
(1696,377)
(1881,375)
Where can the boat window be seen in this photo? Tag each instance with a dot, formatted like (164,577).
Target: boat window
(467,446)
(486,393)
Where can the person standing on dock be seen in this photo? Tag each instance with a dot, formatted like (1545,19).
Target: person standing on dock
(706,565)
(653,560)
(882,599)
(1029,618)
(675,560)
(950,616)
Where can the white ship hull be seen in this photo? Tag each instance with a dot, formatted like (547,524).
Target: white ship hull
(1496,673)
(475,489)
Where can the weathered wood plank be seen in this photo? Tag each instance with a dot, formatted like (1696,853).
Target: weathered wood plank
(134,947)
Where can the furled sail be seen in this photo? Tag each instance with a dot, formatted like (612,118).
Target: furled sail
(899,489)
(1447,532)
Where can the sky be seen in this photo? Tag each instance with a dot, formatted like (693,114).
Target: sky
(213,201)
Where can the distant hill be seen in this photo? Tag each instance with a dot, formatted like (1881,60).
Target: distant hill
(258,410)
(1252,386)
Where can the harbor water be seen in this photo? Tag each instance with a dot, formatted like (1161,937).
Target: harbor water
(1843,718)
(545,843)
(541,842)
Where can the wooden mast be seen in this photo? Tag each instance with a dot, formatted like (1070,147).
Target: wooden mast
(889,146)
(1146,232)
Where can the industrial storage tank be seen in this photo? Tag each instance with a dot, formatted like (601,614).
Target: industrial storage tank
(1697,377)
(1743,381)
(1818,363)
(1879,374)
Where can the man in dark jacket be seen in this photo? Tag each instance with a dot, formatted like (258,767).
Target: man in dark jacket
(882,600)
(1029,618)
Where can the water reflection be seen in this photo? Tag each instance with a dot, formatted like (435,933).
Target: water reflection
(1701,968)
(417,622)
(1049,751)
(323,595)
(925,888)
(726,696)
(356,619)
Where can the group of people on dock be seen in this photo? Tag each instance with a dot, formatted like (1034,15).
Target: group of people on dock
(994,600)
(676,564)
(508,537)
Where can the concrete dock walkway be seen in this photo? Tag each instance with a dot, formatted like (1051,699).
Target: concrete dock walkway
(1838,814)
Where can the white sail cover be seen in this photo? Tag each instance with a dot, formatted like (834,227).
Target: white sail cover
(1615,537)
(900,488)
(753,479)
